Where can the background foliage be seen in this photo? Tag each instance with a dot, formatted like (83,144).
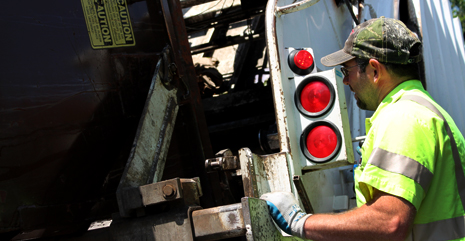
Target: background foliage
(458,7)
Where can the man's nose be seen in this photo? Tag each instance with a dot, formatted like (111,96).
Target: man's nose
(345,80)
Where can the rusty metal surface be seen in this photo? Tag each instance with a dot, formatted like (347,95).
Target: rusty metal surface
(219,222)
(295,7)
(248,173)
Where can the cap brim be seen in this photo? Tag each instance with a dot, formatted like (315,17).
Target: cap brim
(336,58)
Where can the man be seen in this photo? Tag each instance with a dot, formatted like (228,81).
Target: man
(411,183)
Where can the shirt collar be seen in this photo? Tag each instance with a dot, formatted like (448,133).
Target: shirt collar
(394,96)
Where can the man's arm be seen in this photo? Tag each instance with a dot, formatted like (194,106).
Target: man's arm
(386,217)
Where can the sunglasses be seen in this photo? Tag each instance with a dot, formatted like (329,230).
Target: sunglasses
(345,70)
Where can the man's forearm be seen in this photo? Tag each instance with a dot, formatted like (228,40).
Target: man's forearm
(385,218)
(345,226)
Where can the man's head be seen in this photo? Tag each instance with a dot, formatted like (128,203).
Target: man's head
(380,45)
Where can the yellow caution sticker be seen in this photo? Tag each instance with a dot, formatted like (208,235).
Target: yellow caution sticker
(108,23)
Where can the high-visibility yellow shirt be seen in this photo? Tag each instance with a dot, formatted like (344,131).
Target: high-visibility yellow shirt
(408,153)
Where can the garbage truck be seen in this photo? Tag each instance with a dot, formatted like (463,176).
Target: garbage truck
(118,123)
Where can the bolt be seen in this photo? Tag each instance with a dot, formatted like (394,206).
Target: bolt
(213,164)
(169,191)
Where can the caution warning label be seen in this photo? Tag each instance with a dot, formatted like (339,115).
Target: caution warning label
(108,23)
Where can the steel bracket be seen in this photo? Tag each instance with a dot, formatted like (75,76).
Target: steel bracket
(134,199)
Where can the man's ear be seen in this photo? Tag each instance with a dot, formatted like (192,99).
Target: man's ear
(376,68)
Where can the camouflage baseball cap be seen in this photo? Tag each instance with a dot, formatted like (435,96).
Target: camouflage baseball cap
(385,39)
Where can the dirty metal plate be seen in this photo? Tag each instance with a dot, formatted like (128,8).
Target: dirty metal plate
(161,192)
(108,23)
(147,158)
(219,222)
(174,226)
(263,174)
(132,198)
(258,222)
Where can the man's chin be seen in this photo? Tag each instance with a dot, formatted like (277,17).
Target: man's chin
(362,105)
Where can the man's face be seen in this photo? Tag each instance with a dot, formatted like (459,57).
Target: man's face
(360,84)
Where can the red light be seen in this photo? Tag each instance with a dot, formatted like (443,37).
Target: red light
(321,141)
(315,96)
(303,59)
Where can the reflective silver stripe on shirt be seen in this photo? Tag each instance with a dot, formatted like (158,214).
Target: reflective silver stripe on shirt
(401,164)
(459,175)
(447,229)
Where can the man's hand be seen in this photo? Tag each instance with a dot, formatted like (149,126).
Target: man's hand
(286,212)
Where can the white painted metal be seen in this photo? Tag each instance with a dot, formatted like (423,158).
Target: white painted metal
(378,8)
(297,6)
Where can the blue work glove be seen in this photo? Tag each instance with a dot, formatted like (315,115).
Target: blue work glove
(286,212)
